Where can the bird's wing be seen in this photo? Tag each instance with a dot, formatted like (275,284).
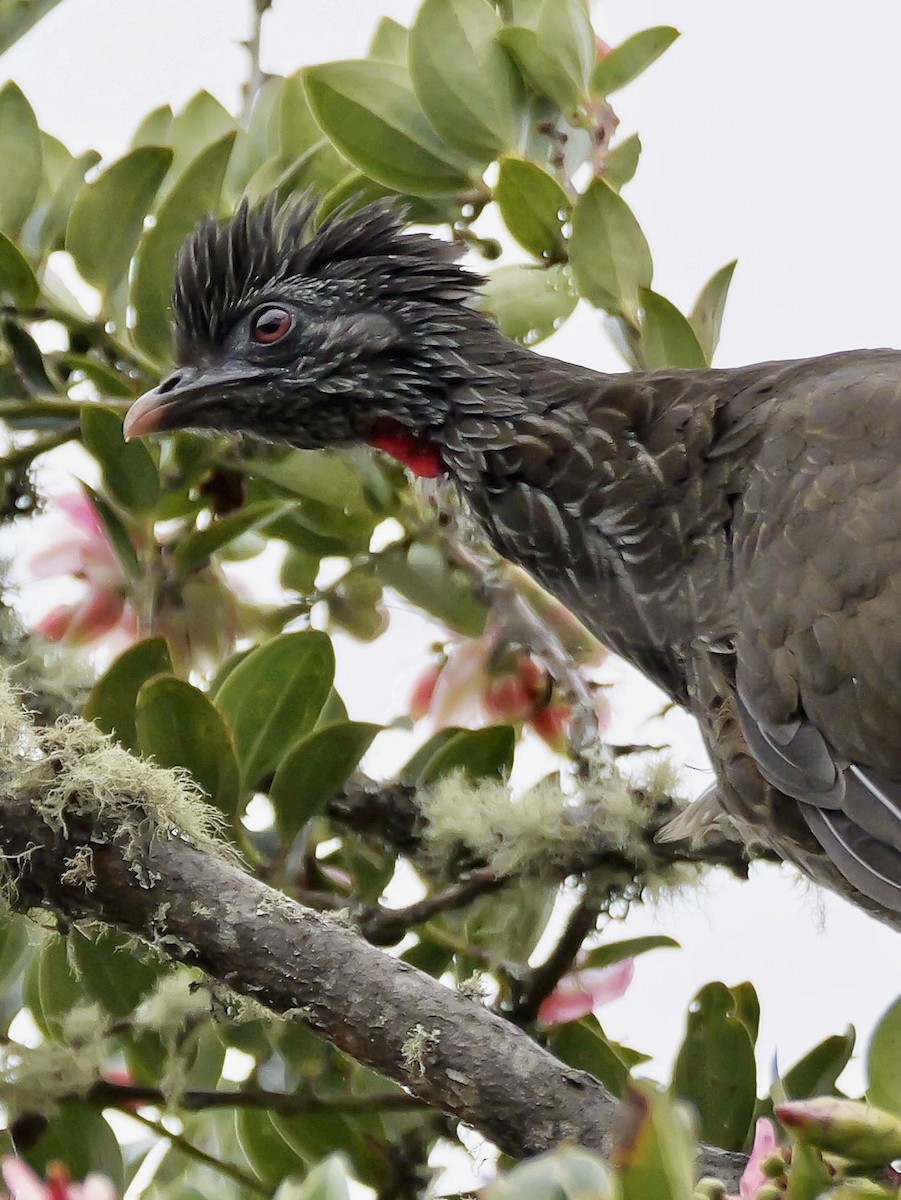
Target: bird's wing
(817,585)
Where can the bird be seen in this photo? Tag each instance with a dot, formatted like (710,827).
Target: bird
(735,533)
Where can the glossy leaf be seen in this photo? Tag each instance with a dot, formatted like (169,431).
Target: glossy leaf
(816,1073)
(79,1137)
(884,1062)
(155,129)
(195,193)
(621,162)
(22,158)
(667,338)
(17,18)
(370,113)
(390,41)
(626,61)
(18,284)
(201,122)
(715,1068)
(655,1150)
(118,535)
(529,303)
(534,207)
(129,472)
(322,475)
(297,127)
(195,549)
(108,215)
(52,232)
(111,704)
(423,575)
(608,252)
(707,315)
(328,1180)
(274,696)
(555,51)
(111,972)
(178,726)
(478,753)
(465,82)
(265,1149)
(312,772)
(614,952)
(568,1173)
(582,1044)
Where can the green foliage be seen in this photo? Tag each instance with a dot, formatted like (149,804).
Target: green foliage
(480,110)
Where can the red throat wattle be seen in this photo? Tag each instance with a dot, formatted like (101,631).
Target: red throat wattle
(414,452)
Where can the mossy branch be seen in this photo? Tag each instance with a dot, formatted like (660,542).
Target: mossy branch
(159,873)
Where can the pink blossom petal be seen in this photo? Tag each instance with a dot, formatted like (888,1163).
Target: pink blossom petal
(458,692)
(22,1182)
(55,625)
(765,1142)
(96,615)
(580,993)
(56,558)
(81,512)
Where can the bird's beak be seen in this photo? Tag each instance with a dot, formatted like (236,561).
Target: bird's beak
(180,401)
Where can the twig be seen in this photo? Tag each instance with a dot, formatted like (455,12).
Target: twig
(385,926)
(542,980)
(255,78)
(115,1095)
(187,1147)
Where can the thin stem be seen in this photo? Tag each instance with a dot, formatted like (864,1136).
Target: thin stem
(22,455)
(123,1096)
(542,980)
(252,46)
(385,921)
(181,1143)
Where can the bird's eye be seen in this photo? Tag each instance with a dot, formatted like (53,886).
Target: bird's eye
(270,325)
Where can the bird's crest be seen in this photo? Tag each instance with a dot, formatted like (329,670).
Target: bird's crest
(223,267)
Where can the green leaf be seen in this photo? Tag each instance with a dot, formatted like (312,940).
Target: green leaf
(17,18)
(155,129)
(667,339)
(478,753)
(582,1044)
(195,549)
(129,472)
(18,283)
(111,704)
(356,190)
(112,972)
(608,252)
(555,51)
(311,773)
(370,113)
(298,131)
(52,232)
(816,1073)
(118,535)
(107,217)
(22,158)
(626,61)
(529,303)
(178,726)
(201,122)
(621,162)
(467,85)
(715,1068)
(52,989)
(423,574)
(274,696)
(614,952)
(265,1149)
(707,315)
(390,41)
(568,1173)
(79,1137)
(534,207)
(884,1062)
(321,475)
(655,1152)
(195,193)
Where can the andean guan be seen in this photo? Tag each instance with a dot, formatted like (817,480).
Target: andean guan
(736,534)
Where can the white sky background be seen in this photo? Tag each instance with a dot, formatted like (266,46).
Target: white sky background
(770,134)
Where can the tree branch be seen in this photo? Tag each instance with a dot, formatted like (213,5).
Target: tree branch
(442,1047)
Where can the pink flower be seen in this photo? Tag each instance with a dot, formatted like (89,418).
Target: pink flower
(80,548)
(753,1177)
(23,1184)
(582,991)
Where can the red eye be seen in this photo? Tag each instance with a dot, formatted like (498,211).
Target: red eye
(271,325)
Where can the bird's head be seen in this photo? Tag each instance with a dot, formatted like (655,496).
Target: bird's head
(352,332)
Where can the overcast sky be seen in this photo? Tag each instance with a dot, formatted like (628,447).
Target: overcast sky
(770,134)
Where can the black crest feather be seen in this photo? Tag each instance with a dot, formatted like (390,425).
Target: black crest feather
(223,267)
